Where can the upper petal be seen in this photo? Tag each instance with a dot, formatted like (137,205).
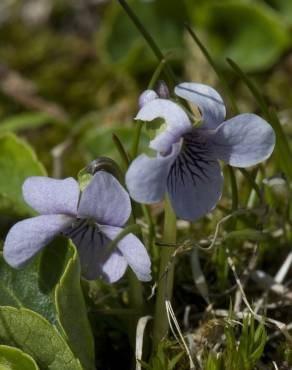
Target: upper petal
(195,183)
(176,120)
(207,99)
(26,238)
(105,200)
(243,141)
(146,177)
(51,196)
(91,245)
(133,251)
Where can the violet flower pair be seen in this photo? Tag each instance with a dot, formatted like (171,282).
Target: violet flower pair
(186,166)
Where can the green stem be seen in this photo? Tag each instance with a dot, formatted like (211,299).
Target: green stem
(282,150)
(234,190)
(137,135)
(168,71)
(156,74)
(253,194)
(135,293)
(214,66)
(166,276)
(252,183)
(139,124)
(234,193)
(147,214)
(136,288)
(121,150)
(136,297)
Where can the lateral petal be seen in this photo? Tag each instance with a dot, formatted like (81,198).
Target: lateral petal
(244,140)
(26,238)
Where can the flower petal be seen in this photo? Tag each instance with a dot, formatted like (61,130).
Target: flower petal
(244,140)
(105,200)
(26,238)
(91,245)
(146,177)
(146,97)
(176,120)
(195,184)
(114,267)
(51,196)
(207,99)
(132,250)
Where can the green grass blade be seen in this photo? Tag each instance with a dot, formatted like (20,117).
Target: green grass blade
(282,150)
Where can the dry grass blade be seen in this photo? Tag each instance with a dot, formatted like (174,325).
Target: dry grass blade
(281,326)
(177,333)
(139,339)
(198,275)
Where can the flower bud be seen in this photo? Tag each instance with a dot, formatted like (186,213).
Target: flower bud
(99,164)
(162,89)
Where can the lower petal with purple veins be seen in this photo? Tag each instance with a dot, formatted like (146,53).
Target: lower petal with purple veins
(195,180)
(92,244)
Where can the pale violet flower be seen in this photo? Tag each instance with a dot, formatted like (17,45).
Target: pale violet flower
(91,219)
(186,164)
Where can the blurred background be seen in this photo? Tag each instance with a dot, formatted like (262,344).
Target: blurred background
(81,63)
(71,72)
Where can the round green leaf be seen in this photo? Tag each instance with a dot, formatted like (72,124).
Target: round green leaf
(14,359)
(98,141)
(34,286)
(50,286)
(251,34)
(17,162)
(284,7)
(124,43)
(34,335)
(26,121)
